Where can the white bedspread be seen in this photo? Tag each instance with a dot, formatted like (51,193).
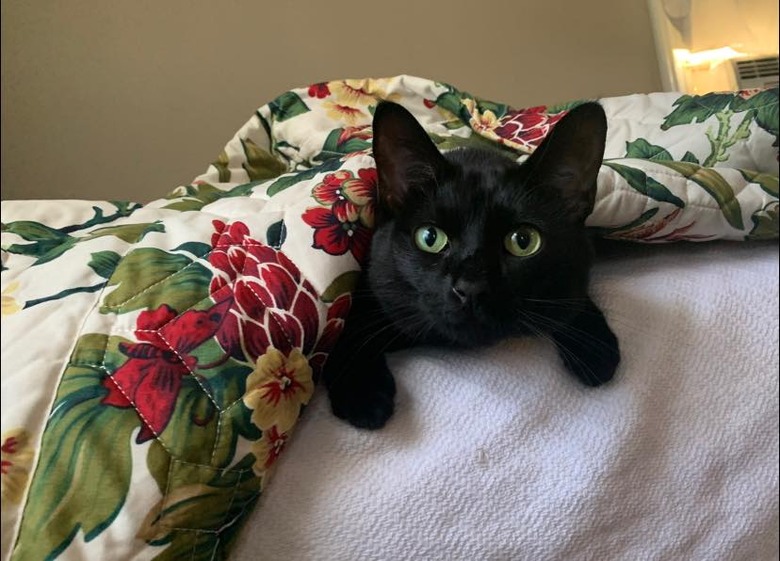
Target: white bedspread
(498,454)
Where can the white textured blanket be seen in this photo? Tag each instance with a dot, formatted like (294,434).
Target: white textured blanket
(498,454)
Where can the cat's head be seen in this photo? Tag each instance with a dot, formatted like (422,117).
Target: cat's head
(472,247)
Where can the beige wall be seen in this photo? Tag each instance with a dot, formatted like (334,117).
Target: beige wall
(130,99)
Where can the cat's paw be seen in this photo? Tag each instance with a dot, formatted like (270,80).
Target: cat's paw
(589,349)
(592,367)
(364,399)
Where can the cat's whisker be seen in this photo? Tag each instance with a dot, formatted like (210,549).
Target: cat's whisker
(567,353)
(411,320)
(561,348)
(613,315)
(573,332)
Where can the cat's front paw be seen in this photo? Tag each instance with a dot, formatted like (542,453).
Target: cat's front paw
(593,367)
(589,349)
(365,397)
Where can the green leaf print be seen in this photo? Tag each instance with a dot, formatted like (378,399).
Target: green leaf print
(47,243)
(260,164)
(276,234)
(290,179)
(761,108)
(151,277)
(639,221)
(765,107)
(765,223)
(198,249)
(717,187)
(196,197)
(104,263)
(767,182)
(194,420)
(333,148)
(641,148)
(451,101)
(199,498)
(83,473)
(64,294)
(55,251)
(723,138)
(209,410)
(123,209)
(498,109)
(221,163)
(768,115)
(342,284)
(645,184)
(130,233)
(158,462)
(34,231)
(696,109)
(287,106)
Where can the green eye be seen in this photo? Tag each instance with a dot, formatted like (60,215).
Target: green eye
(523,242)
(430,239)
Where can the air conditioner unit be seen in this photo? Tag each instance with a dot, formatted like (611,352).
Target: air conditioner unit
(756,72)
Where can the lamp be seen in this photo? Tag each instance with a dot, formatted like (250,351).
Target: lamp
(715,45)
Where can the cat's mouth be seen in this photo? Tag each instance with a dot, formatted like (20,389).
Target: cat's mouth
(470,325)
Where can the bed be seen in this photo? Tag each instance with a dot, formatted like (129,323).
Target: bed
(142,411)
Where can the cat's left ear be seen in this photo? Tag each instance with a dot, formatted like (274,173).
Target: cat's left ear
(568,160)
(406,158)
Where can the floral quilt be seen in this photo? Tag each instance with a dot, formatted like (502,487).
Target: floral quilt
(155,358)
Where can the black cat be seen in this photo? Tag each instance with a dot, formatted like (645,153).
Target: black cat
(470,248)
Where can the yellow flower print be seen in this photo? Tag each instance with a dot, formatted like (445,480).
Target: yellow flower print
(9,303)
(480,122)
(346,113)
(356,92)
(351,99)
(277,389)
(16,459)
(267,450)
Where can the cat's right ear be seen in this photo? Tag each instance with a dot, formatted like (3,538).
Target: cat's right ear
(405,156)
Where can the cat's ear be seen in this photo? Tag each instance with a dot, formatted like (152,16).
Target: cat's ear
(568,160)
(405,156)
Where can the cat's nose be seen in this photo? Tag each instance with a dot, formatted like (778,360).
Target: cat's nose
(466,290)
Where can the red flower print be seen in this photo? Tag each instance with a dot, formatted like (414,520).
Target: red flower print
(269,302)
(748,93)
(336,237)
(334,325)
(649,231)
(679,234)
(151,379)
(346,225)
(351,198)
(362,132)
(527,126)
(319,91)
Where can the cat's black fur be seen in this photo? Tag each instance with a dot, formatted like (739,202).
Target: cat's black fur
(474,292)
